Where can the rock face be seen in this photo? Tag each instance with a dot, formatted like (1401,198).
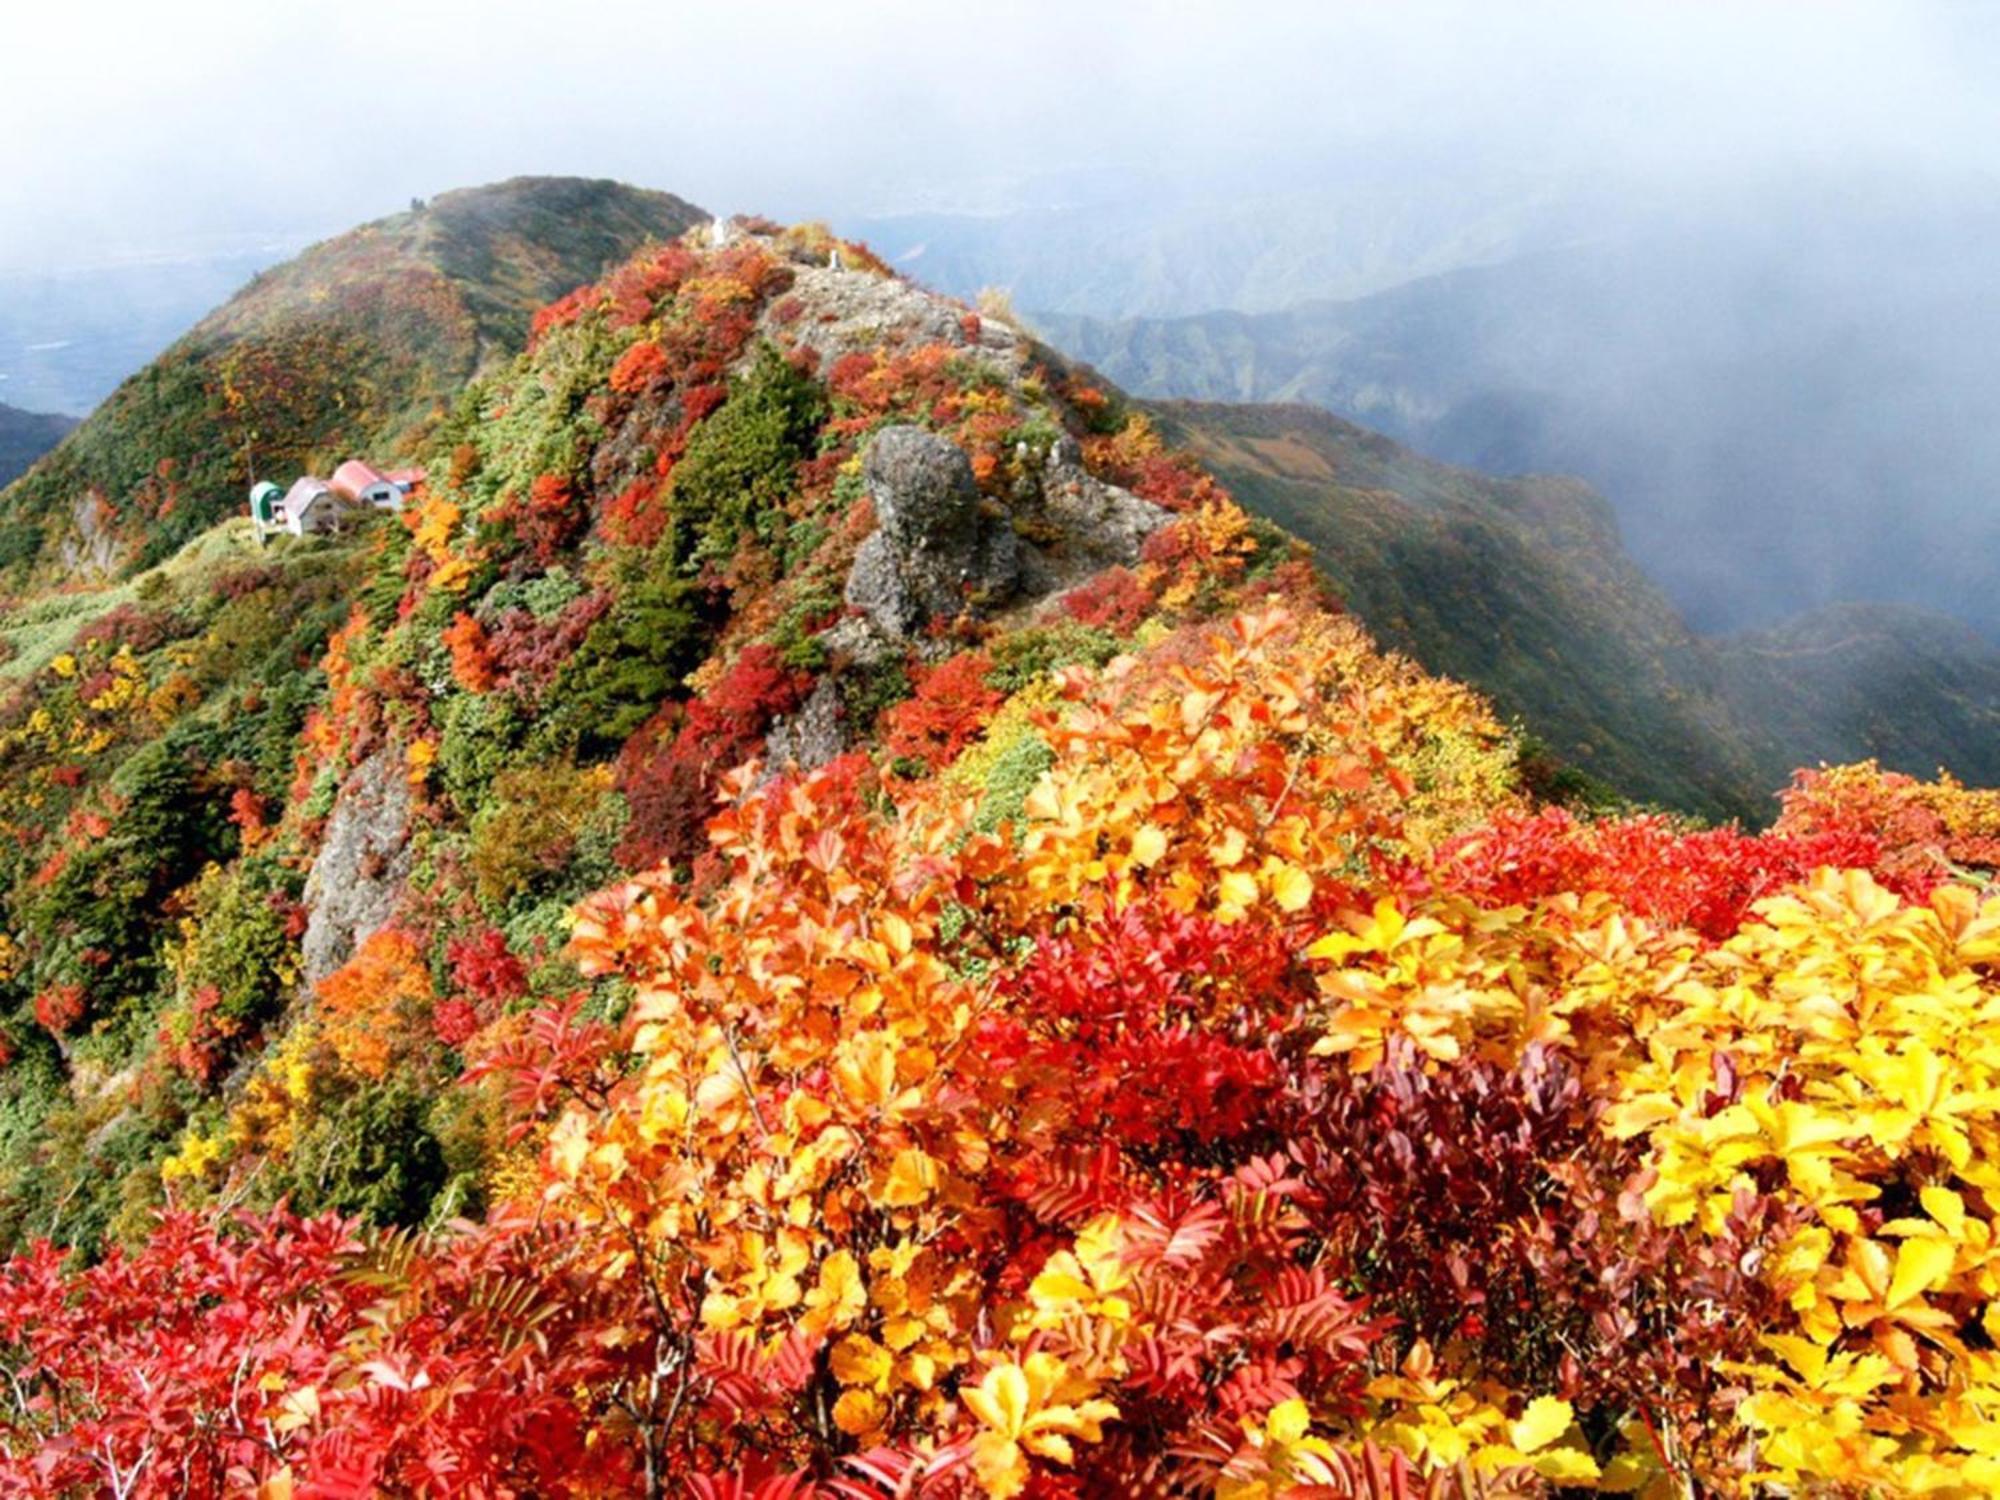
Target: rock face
(847,310)
(935,550)
(1097,525)
(812,736)
(351,890)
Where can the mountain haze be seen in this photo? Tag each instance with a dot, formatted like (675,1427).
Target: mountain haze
(820,912)
(1788,404)
(1523,587)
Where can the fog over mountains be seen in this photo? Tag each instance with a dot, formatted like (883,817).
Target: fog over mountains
(1785,390)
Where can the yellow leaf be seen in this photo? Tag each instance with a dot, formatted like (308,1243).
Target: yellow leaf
(1920,1265)
(1288,1422)
(1000,1400)
(1546,1419)
(912,1178)
(839,1297)
(859,1412)
(1149,845)
(1237,890)
(1291,888)
(1566,1466)
(859,1360)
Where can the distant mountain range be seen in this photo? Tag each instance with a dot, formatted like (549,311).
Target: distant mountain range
(1146,249)
(69,336)
(1782,420)
(1522,587)
(1547,360)
(25,436)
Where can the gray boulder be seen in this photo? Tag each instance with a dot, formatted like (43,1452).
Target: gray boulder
(812,736)
(935,550)
(352,888)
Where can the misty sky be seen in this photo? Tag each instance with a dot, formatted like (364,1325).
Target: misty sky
(128,128)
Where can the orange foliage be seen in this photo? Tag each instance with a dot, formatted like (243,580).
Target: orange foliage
(378,996)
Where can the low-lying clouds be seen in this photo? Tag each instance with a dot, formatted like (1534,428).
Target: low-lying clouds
(131,126)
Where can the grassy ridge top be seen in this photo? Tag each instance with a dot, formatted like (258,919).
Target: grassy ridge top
(359,344)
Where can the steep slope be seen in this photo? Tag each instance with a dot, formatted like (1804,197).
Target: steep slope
(1124,1034)
(1914,689)
(25,436)
(1522,587)
(327,806)
(358,344)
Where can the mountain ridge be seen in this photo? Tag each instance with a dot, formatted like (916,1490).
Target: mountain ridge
(1522,587)
(356,345)
(25,436)
(822,914)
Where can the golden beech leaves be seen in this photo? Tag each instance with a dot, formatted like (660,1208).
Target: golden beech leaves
(893,1083)
(1035,1409)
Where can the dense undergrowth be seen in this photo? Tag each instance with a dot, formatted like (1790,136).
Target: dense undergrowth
(1170,1049)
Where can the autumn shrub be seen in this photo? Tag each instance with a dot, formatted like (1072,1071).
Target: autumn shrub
(951,704)
(671,770)
(1928,831)
(376,1003)
(631,660)
(739,465)
(531,825)
(1707,879)
(369,1155)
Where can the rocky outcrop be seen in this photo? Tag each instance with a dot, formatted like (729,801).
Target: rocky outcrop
(936,550)
(1085,524)
(839,311)
(812,736)
(352,888)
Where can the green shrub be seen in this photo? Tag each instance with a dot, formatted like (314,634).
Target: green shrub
(741,464)
(631,662)
(1027,656)
(480,732)
(371,1154)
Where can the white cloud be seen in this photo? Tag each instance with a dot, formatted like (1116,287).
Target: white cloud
(128,122)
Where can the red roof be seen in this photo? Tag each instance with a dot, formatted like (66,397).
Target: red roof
(354,476)
(409,479)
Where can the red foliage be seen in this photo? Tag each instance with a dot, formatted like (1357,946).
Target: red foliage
(471,663)
(1924,828)
(59,1007)
(639,367)
(1706,879)
(950,706)
(670,769)
(132,625)
(455,1021)
(636,287)
(483,966)
(248,812)
(637,516)
(552,518)
(562,312)
(1113,600)
(241,1357)
(527,653)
